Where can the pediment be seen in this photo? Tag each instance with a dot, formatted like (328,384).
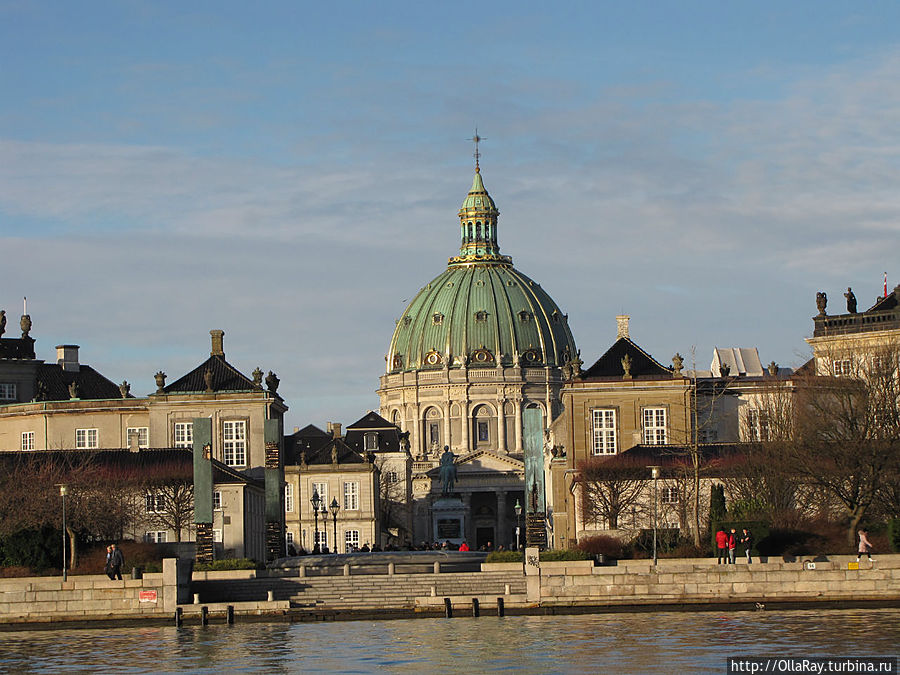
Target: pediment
(482,461)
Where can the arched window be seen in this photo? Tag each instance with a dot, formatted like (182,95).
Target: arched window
(477,231)
(470,232)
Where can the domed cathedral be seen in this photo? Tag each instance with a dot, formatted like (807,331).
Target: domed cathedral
(476,348)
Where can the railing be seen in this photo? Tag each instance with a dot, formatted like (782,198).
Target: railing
(844,324)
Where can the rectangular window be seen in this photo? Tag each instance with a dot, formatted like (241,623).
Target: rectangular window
(351,496)
(289,497)
(758,425)
(86,439)
(655,426)
(483,432)
(28,440)
(7,391)
(604,432)
(217,535)
(321,538)
(155,537)
(217,501)
(434,434)
(154,503)
(392,477)
(184,434)
(351,541)
(143,436)
(322,490)
(234,445)
(708,435)
(288,537)
(841,367)
(669,495)
(371,441)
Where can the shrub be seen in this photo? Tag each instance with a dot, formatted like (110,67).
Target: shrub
(893,534)
(227,564)
(565,554)
(504,556)
(602,544)
(37,549)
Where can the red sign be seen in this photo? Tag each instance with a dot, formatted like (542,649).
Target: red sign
(147,596)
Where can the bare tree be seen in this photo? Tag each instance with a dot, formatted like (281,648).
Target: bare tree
(610,488)
(169,497)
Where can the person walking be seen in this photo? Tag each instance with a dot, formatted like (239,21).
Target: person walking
(114,563)
(747,543)
(865,546)
(732,545)
(722,546)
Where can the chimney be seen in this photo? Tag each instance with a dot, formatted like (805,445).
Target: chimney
(335,429)
(622,326)
(218,347)
(67,357)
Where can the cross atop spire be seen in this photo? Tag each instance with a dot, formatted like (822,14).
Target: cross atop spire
(476,139)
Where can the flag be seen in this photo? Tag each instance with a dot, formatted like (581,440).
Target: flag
(885,284)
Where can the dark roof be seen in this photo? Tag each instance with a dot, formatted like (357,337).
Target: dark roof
(323,454)
(53,384)
(309,439)
(225,377)
(178,461)
(890,301)
(17,348)
(642,364)
(371,420)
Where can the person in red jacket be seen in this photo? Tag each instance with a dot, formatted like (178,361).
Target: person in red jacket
(732,545)
(722,546)
(464,546)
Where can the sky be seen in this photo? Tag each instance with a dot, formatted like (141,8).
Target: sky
(290,172)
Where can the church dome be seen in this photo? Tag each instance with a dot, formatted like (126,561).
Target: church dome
(480,311)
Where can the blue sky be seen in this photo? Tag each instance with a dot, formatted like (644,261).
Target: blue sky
(290,173)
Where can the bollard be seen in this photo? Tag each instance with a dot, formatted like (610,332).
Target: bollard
(301,571)
(204,616)
(499,606)
(475,610)
(347,570)
(390,569)
(433,592)
(196,598)
(137,573)
(437,567)
(506,590)
(179,618)
(270,596)
(448,608)
(229,615)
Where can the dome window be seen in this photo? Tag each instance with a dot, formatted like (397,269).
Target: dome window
(481,316)
(555,316)
(398,362)
(482,356)
(531,356)
(433,358)
(524,316)
(437,319)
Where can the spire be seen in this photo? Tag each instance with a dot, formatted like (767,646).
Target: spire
(478,221)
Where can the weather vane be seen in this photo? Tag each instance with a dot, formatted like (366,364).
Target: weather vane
(477,139)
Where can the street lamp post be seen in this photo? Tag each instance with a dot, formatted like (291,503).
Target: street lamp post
(62,493)
(335,507)
(324,524)
(654,471)
(518,509)
(315,501)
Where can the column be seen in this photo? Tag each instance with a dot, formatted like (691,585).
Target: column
(501,425)
(517,402)
(468,525)
(502,535)
(447,439)
(466,425)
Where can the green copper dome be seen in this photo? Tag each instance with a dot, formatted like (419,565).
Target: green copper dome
(480,311)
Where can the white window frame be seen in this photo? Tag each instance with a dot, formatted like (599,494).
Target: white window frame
(183,435)
(217,535)
(143,436)
(289,497)
(87,439)
(27,440)
(351,495)
(758,424)
(320,538)
(351,538)
(217,500)
(669,495)
(234,442)
(842,367)
(321,488)
(392,477)
(603,431)
(154,502)
(8,391)
(370,441)
(655,426)
(156,536)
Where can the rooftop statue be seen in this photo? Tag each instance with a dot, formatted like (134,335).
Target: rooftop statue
(2,322)
(851,301)
(821,302)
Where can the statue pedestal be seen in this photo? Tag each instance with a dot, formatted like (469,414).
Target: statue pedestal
(448,515)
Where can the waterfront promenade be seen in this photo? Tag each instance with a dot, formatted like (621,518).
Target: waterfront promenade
(342,592)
